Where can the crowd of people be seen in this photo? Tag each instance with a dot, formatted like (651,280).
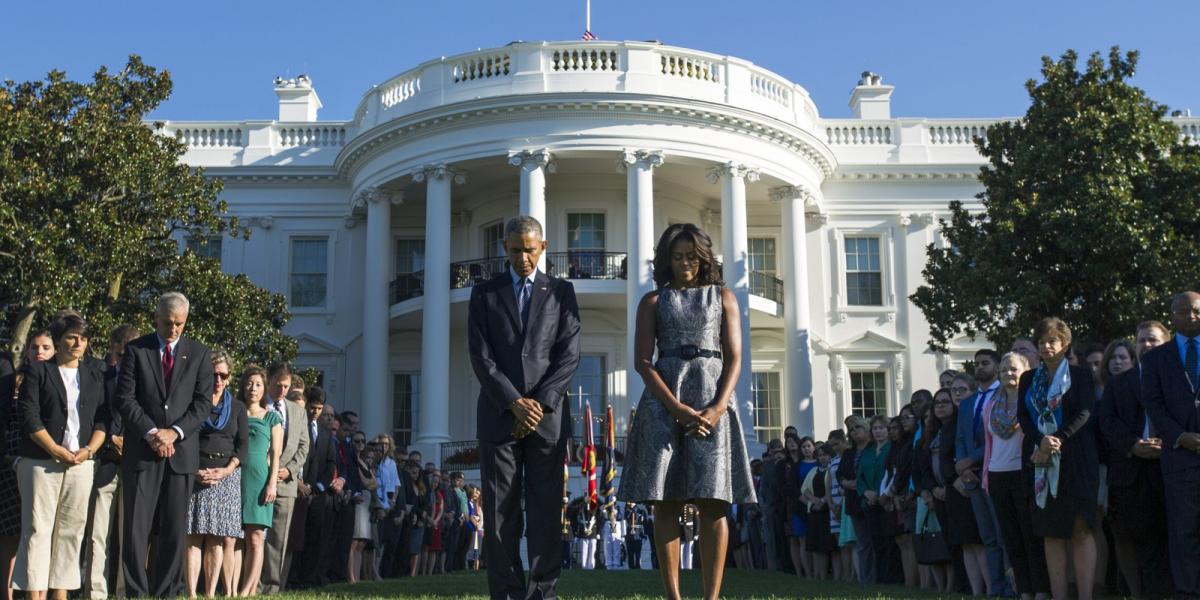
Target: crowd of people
(1041,472)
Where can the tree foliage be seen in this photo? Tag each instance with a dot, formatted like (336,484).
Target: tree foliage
(1091,213)
(93,205)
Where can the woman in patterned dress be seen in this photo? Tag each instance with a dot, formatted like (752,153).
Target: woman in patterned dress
(686,443)
(215,508)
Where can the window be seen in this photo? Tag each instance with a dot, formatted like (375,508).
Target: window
(310,266)
(410,256)
(864,276)
(868,393)
(493,240)
(205,246)
(768,417)
(762,255)
(405,398)
(588,385)
(585,245)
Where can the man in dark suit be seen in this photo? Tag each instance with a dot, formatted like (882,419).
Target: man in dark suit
(1137,507)
(523,334)
(1171,393)
(316,489)
(164,392)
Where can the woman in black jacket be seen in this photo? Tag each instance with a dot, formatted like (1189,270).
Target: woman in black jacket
(1055,404)
(63,420)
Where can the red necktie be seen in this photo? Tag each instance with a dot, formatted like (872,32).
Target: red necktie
(168,362)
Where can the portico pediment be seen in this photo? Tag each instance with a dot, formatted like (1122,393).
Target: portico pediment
(311,344)
(868,342)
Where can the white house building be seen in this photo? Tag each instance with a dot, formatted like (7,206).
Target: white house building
(376,228)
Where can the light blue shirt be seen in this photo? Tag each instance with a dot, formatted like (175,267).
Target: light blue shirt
(517,282)
(389,479)
(1181,342)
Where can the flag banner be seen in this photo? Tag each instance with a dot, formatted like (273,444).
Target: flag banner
(610,460)
(589,457)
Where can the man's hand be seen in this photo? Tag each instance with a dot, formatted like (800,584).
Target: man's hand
(528,413)
(969,478)
(337,485)
(1146,449)
(961,466)
(63,455)
(118,442)
(303,489)
(1190,441)
(283,474)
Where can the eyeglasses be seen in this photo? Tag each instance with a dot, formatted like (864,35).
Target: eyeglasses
(221,376)
(360,442)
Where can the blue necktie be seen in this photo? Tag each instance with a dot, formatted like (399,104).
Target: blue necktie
(1191,362)
(523,301)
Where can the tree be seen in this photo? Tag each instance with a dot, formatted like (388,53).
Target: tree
(93,204)
(1091,213)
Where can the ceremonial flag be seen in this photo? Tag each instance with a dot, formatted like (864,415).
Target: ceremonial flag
(589,458)
(610,460)
(588,36)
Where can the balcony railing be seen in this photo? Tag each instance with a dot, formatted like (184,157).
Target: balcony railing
(766,285)
(576,264)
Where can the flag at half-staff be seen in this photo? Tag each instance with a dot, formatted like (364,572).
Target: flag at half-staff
(610,460)
(589,458)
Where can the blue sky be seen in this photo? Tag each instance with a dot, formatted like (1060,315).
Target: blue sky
(961,58)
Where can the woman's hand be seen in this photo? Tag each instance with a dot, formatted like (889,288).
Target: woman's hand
(1040,457)
(270,492)
(871,496)
(64,456)
(1050,445)
(939,493)
(687,417)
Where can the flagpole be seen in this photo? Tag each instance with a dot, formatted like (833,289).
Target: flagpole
(588,24)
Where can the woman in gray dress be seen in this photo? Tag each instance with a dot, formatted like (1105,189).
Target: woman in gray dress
(686,444)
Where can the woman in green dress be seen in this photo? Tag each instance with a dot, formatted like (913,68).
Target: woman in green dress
(258,484)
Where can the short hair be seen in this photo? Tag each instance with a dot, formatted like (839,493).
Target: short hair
(1108,354)
(251,371)
(344,416)
(710,269)
(69,324)
(922,396)
(950,372)
(823,448)
(1152,324)
(879,419)
(1052,326)
(297,382)
(775,444)
(314,395)
(295,396)
(1015,356)
(123,334)
(970,381)
(855,421)
(521,226)
(837,435)
(172,302)
(1024,339)
(219,355)
(278,370)
(990,353)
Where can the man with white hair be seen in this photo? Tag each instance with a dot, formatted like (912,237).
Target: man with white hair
(164,393)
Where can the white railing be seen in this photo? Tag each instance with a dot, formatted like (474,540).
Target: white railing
(859,134)
(584,59)
(957,134)
(401,89)
(1189,129)
(771,88)
(489,65)
(214,136)
(690,67)
(312,136)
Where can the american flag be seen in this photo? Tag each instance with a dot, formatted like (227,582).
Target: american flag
(610,460)
(588,35)
(589,458)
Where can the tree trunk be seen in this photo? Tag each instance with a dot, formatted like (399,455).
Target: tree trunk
(21,330)
(114,289)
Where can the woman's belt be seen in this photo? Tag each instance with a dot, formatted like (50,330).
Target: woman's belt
(689,352)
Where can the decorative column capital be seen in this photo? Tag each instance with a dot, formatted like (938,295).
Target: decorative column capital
(641,158)
(533,159)
(440,171)
(374,194)
(732,169)
(898,365)
(926,219)
(904,219)
(351,221)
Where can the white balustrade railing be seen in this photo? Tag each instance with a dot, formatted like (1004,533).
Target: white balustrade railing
(771,88)
(584,59)
(489,65)
(859,134)
(400,89)
(690,67)
(315,135)
(214,136)
(957,134)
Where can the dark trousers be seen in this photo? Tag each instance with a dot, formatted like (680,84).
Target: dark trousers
(1183,520)
(633,551)
(532,465)
(314,558)
(864,547)
(155,498)
(1026,552)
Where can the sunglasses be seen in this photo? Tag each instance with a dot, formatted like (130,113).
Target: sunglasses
(222,376)
(360,442)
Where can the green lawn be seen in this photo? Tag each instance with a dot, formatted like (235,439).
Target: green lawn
(613,585)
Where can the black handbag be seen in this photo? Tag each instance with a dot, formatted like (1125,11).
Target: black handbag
(930,546)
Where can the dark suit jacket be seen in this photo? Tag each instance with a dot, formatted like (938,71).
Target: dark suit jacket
(1171,403)
(43,405)
(1080,465)
(346,462)
(536,363)
(8,391)
(108,461)
(1122,421)
(144,402)
(322,459)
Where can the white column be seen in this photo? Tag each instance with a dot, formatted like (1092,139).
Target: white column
(374,410)
(735,254)
(534,164)
(638,166)
(800,407)
(433,425)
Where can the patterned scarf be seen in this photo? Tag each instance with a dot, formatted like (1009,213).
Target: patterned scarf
(1044,401)
(1004,421)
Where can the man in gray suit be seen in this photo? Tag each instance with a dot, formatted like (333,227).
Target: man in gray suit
(291,460)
